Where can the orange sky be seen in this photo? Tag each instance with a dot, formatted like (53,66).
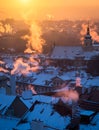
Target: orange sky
(50,9)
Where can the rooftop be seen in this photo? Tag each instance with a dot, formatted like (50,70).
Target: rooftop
(72,52)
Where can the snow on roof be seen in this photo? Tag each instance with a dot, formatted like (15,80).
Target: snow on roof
(7,123)
(39,78)
(46,113)
(5,101)
(96,44)
(65,76)
(94,125)
(24,126)
(71,75)
(89,54)
(42,77)
(92,82)
(26,79)
(95,119)
(40,98)
(27,126)
(85,80)
(71,52)
(66,52)
(86,112)
(28,103)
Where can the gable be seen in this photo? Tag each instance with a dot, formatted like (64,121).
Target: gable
(17,108)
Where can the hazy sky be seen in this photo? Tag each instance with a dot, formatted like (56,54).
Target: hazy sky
(50,9)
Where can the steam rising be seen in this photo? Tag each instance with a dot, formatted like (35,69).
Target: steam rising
(3,70)
(23,67)
(2,62)
(68,95)
(32,89)
(5,29)
(34,40)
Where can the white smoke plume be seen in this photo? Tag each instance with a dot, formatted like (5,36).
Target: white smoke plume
(32,89)
(5,29)
(68,95)
(35,41)
(33,62)
(2,62)
(23,67)
(93,32)
(3,70)
(2,29)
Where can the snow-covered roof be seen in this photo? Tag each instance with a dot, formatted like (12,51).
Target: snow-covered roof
(46,113)
(66,52)
(5,102)
(42,77)
(94,125)
(40,98)
(24,126)
(38,78)
(8,123)
(64,76)
(96,44)
(92,82)
(86,112)
(72,52)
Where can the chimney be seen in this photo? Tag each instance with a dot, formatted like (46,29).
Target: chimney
(89,90)
(2,91)
(83,89)
(75,120)
(75,109)
(13,84)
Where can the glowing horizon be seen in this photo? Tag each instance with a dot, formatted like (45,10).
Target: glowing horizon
(45,9)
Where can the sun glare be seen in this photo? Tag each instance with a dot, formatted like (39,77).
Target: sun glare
(25,1)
